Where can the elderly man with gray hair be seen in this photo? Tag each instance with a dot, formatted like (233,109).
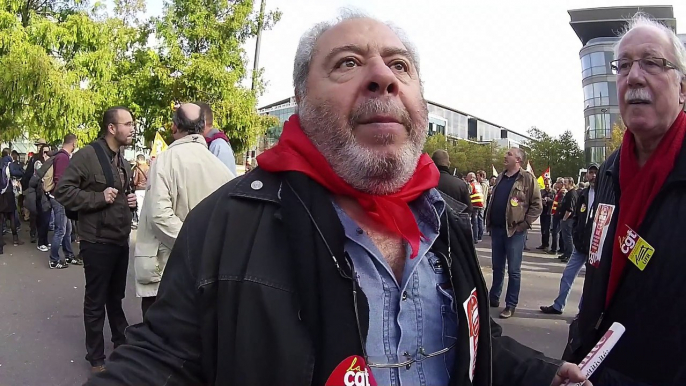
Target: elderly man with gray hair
(335,261)
(636,265)
(180,178)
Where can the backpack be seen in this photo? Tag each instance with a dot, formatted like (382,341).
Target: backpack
(47,173)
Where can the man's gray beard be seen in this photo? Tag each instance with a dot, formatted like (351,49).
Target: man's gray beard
(364,169)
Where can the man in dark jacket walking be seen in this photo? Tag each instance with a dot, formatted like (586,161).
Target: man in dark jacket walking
(449,184)
(103,199)
(636,264)
(335,256)
(582,221)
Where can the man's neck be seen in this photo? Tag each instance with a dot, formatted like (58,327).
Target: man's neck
(645,147)
(513,171)
(112,144)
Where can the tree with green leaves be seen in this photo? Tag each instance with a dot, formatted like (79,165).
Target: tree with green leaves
(199,57)
(58,64)
(63,63)
(562,154)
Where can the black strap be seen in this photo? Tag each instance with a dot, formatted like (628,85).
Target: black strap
(105,164)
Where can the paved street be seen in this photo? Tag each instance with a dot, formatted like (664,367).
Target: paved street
(41,317)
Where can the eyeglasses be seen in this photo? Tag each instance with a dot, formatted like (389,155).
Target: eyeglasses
(652,66)
(127,124)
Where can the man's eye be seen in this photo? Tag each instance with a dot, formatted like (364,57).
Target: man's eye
(399,66)
(347,63)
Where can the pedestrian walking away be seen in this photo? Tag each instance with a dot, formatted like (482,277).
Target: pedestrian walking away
(196,173)
(515,205)
(95,185)
(449,184)
(335,253)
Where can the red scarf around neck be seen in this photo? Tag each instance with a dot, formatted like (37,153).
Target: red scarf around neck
(639,186)
(295,152)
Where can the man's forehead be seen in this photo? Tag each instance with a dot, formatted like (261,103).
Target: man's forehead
(644,40)
(365,33)
(123,114)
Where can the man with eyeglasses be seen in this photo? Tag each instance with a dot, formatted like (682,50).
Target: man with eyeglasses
(335,260)
(96,185)
(635,271)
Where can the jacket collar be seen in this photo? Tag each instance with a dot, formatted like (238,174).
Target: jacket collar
(190,138)
(260,185)
(443,169)
(678,173)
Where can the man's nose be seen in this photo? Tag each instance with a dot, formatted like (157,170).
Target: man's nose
(381,80)
(636,76)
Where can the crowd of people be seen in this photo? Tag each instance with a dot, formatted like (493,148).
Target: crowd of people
(348,256)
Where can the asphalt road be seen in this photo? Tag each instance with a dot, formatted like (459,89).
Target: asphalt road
(41,315)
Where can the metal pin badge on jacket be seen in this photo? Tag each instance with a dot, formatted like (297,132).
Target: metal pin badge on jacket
(256,185)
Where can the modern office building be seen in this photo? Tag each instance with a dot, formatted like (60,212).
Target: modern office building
(598,28)
(450,122)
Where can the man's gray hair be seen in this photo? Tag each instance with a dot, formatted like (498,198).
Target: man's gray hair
(520,153)
(641,19)
(306,50)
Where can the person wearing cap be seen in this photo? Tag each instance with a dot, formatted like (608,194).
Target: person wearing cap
(582,221)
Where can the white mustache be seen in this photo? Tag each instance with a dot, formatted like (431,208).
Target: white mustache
(638,94)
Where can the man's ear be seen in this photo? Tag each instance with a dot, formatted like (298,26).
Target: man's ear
(682,90)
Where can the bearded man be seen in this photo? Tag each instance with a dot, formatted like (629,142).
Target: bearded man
(336,259)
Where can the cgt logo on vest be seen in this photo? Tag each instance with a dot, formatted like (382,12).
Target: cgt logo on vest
(353,371)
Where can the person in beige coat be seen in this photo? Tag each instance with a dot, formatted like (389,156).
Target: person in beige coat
(180,178)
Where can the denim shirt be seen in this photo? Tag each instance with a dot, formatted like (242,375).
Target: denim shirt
(418,313)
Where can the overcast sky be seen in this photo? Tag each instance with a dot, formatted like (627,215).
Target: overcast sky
(514,63)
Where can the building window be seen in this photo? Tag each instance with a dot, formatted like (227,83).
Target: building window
(598,126)
(593,64)
(595,154)
(596,94)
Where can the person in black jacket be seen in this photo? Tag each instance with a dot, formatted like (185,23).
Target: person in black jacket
(547,197)
(449,184)
(287,272)
(567,222)
(28,173)
(582,220)
(636,264)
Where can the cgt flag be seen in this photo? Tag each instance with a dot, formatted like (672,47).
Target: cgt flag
(158,146)
(529,168)
(495,172)
(543,177)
